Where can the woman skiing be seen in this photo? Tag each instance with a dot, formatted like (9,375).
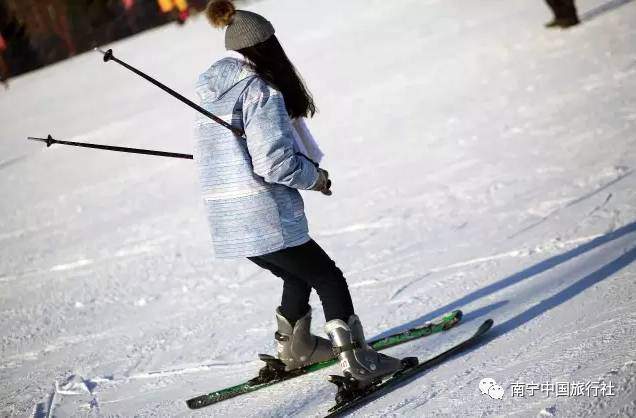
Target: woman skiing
(250,187)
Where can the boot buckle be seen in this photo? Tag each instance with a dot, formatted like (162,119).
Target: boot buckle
(347,347)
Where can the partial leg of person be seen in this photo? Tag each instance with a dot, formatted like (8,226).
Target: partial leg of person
(564,13)
(311,264)
(295,345)
(568,10)
(294,302)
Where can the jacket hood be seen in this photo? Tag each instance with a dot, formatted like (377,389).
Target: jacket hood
(221,77)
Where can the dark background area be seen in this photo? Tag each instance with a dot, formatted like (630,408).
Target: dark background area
(35,33)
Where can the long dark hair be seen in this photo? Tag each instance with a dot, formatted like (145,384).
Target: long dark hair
(271,63)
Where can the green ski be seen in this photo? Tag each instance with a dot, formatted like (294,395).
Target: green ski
(350,398)
(272,374)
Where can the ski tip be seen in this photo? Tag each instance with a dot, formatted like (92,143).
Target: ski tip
(485,326)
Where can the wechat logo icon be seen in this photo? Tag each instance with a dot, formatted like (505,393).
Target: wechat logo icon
(488,386)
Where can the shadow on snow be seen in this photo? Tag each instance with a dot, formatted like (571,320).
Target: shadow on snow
(602,9)
(527,273)
(564,295)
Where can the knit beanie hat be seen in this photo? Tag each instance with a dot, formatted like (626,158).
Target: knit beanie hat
(244,29)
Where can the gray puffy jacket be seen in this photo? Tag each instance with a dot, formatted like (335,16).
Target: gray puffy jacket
(249,186)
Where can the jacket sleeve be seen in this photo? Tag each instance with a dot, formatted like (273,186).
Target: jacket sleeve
(270,139)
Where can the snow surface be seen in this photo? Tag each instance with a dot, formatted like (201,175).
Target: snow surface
(479,162)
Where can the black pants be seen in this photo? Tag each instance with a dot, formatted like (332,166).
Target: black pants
(305,267)
(563,9)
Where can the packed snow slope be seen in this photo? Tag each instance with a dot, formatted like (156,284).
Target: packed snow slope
(479,162)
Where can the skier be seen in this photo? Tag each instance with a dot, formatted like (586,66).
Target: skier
(565,14)
(250,188)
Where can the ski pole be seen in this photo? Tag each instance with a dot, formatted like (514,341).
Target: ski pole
(49,140)
(108,56)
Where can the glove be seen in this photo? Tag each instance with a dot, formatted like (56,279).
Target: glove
(323,184)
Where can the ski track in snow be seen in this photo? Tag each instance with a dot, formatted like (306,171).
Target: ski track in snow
(572,203)
(546,248)
(482,163)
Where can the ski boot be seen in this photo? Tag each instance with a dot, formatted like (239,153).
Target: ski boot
(361,365)
(296,346)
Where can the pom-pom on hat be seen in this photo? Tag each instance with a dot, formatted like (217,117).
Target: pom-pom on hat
(243,28)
